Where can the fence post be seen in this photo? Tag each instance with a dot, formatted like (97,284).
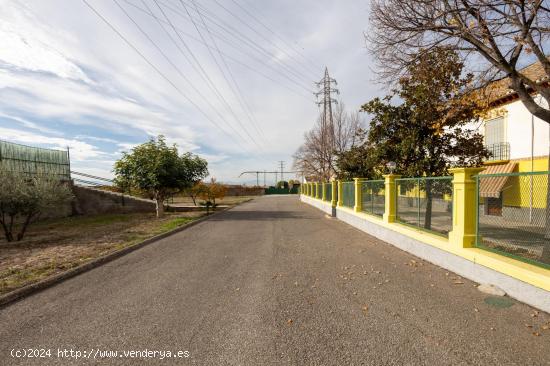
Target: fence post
(323,193)
(390,193)
(463,234)
(340,195)
(334,187)
(358,195)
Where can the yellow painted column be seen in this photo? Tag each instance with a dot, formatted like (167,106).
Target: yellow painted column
(323,191)
(340,188)
(463,234)
(358,195)
(334,187)
(390,191)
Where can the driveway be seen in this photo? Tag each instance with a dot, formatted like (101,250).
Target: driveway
(271,282)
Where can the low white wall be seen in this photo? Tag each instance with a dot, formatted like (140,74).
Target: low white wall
(515,288)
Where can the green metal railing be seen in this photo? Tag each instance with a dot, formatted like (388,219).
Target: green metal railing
(328,191)
(34,160)
(373,197)
(348,194)
(426,203)
(513,216)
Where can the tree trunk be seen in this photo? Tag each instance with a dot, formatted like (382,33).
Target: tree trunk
(24,227)
(160,206)
(7,233)
(428,213)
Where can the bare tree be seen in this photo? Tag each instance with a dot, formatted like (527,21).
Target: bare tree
(500,37)
(316,157)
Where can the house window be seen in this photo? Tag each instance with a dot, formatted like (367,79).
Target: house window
(494,131)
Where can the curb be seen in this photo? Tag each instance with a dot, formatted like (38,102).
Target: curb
(33,288)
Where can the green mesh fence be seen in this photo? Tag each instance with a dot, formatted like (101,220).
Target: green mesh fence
(513,215)
(34,160)
(425,203)
(348,194)
(328,191)
(373,197)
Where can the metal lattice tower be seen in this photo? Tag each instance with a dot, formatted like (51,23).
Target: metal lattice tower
(326,90)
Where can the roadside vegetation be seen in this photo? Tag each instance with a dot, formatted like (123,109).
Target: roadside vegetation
(54,246)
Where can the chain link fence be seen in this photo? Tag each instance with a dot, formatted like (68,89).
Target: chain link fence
(328,191)
(373,197)
(348,194)
(34,160)
(426,203)
(512,215)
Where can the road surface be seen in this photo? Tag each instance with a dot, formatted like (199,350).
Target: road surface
(272,281)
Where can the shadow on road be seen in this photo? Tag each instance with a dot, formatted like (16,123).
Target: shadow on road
(261,215)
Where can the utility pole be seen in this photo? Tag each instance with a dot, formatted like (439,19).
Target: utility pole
(281,165)
(327,123)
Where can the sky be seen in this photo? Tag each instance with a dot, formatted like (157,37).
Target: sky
(229,80)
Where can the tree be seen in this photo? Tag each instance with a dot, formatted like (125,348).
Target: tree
(159,170)
(24,198)
(195,191)
(428,132)
(211,192)
(316,157)
(506,35)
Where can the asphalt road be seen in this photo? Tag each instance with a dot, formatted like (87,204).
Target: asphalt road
(273,282)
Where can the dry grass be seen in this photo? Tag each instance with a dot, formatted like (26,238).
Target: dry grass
(54,246)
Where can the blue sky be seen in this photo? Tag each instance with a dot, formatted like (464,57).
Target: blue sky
(67,79)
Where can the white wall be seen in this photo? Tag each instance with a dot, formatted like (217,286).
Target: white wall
(518,131)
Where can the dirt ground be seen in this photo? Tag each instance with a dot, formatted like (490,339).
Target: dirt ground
(53,246)
(229,200)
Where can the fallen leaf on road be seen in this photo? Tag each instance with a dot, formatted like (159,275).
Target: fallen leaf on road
(546,327)
(237,289)
(365,309)
(289,321)
(536,334)
(458,283)
(476,310)
(528,325)
(355,293)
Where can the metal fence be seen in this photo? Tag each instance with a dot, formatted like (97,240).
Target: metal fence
(348,194)
(426,203)
(34,160)
(328,191)
(373,197)
(513,217)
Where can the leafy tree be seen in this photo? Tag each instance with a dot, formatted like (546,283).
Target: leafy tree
(195,191)
(24,198)
(427,133)
(211,192)
(498,37)
(158,169)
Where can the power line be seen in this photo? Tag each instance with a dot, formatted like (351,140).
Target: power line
(266,26)
(114,29)
(269,29)
(245,40)
(229,57)
(236,90)
(298,74)
(200,70)
(221,70)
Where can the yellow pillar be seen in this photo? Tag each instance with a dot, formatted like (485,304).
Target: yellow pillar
(323,192)
(358,195)
(340,188)
(334,187)
(310,189)
(463,234)
(390,190)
